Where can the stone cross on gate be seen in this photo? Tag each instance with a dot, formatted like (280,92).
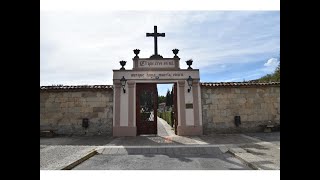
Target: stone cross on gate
(155,34)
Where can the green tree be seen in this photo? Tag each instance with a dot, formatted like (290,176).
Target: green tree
(277,72)
(161,99)
(168,98)
(266,78)
(171,99)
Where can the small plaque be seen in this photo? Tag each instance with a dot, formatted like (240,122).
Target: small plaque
(189,106)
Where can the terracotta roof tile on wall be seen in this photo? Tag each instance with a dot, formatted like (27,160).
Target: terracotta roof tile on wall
(79,87)
(237,84)
(207,84)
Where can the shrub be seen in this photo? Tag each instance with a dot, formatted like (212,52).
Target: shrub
(167,117)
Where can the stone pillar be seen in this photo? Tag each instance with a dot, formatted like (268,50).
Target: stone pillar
(197,129)
(182,128)
(182,104)
(177,64)
(135,63)
(131,104)
(126,129)
(116,100)
(196,94)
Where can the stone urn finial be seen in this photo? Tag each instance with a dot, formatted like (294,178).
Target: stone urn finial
(136,52)
(189,63)
(175,52)
(123,63)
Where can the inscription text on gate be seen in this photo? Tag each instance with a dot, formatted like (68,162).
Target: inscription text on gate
(156,63)
(156,75)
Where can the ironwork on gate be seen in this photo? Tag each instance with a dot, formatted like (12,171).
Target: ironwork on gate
(146,107)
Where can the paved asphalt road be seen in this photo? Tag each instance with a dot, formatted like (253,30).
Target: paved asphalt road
(162,162)
(166,151)
(268,137)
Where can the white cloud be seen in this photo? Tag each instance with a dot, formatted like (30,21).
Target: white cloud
(103,5)
(271,62)
(84,47)
(270,65)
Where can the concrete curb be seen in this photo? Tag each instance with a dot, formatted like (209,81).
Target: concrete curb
(251,138)
(79,161)
(251,165)
(170,146)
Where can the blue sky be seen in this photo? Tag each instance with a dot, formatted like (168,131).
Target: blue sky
(78,48)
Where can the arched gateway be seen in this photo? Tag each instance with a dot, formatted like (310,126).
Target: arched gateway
(135,94)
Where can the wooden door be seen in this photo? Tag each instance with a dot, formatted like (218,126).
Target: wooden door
(146,108)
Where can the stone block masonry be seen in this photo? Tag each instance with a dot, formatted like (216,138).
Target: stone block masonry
(63,110)
(256,104)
